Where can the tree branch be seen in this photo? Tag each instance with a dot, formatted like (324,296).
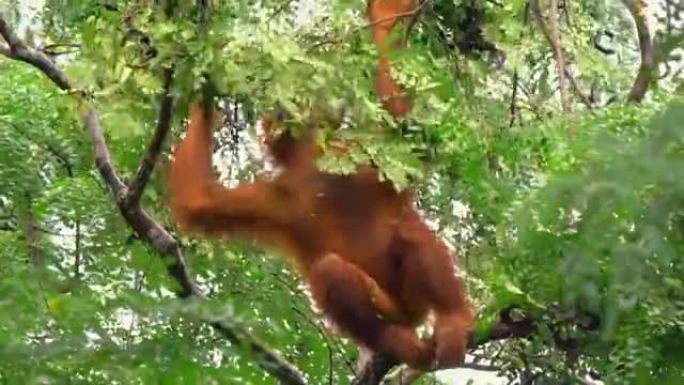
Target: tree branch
(377,368)
(513,109)
(149,160)
(578,91)
(414,12)
(511,324)
(32,238)
(643,79)
(17,50)
(138,218)
(552,34)
(556,48)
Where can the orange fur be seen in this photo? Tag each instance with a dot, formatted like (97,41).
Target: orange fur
(384,16)
(373,265)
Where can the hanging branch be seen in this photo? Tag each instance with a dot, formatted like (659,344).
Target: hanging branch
(146,228)
(644,76)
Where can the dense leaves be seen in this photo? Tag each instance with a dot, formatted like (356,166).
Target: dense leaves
(574,219)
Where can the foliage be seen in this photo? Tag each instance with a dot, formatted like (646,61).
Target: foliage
(608,239)
(558,214)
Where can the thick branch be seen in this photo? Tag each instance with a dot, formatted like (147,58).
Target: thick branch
(149,160)
(103,159)
(508,326)
(142,223)
(504,329)
(513,108)
(375,371)
(19,51)
(643,79)
(552,34)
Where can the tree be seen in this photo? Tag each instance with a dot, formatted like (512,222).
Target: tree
(568,224)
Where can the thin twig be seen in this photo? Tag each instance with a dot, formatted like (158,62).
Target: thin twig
(286,4)
(395,16)
(578,91)
(414,19)
(513,108)
(32,238)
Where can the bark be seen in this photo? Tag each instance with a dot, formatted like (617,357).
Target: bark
(644,76)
